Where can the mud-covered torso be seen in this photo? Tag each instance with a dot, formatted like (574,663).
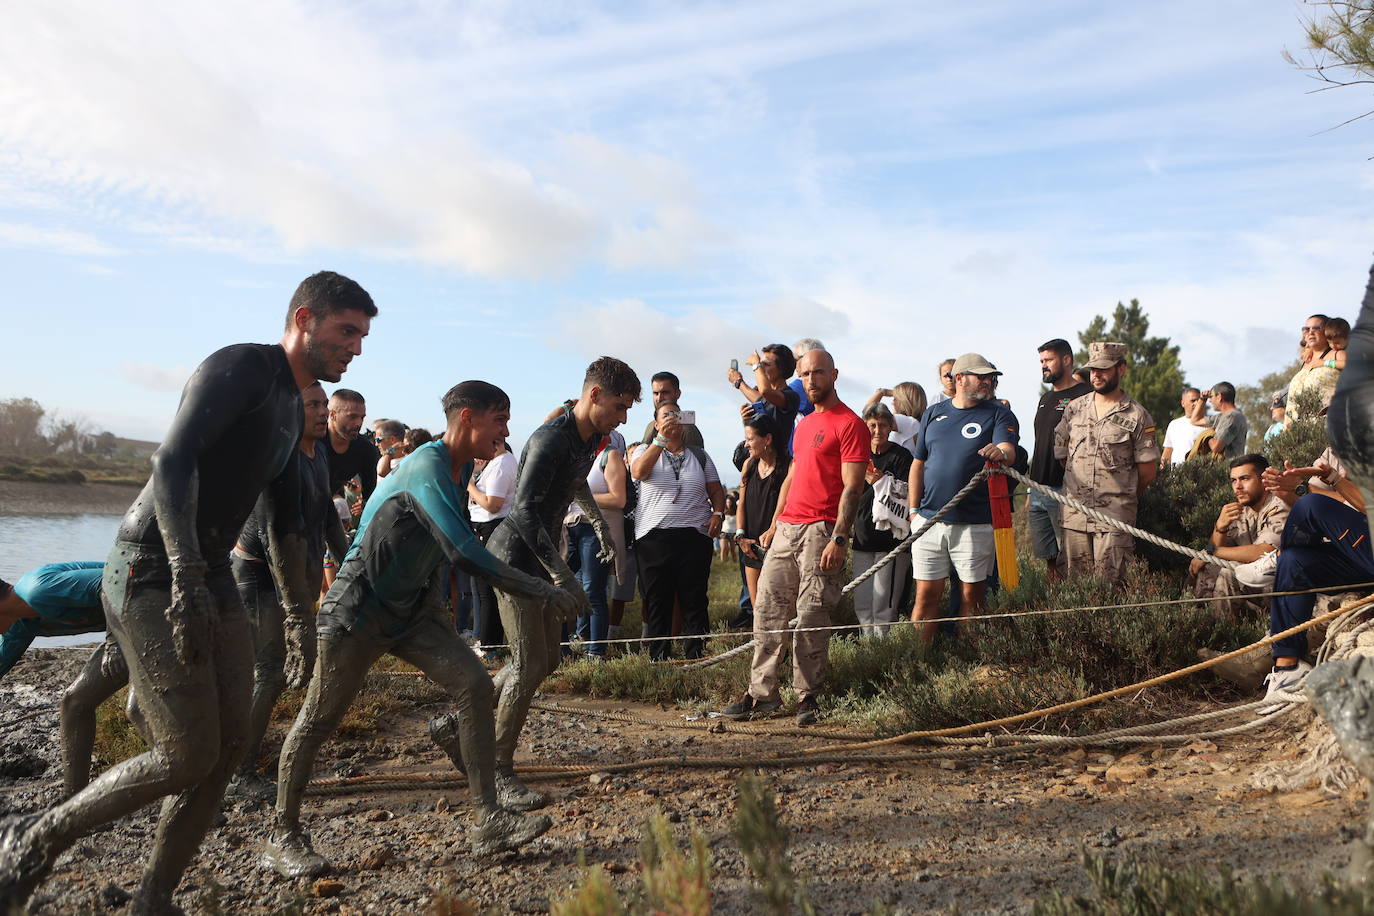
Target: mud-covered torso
(316,506)
(240,461)
(553,465)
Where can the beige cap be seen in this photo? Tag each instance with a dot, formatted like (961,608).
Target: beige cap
(1105,355)
(973,364)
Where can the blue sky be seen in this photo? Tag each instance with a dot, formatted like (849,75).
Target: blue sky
(525,186)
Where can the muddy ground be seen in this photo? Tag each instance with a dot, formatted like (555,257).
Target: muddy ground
(989,836)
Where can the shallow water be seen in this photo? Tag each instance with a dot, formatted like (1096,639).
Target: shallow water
(30,541)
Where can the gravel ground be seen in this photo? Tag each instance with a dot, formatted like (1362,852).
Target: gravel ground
(989,836)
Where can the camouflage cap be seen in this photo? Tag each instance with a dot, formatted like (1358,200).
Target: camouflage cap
(1103,355)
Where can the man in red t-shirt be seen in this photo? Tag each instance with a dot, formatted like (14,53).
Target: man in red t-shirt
(806,545)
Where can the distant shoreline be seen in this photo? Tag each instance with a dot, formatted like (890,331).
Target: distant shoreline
(23,497)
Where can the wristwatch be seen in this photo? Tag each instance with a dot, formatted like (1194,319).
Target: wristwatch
(1210,548)
(839,539)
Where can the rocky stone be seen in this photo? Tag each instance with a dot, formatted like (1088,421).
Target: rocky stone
(326,887)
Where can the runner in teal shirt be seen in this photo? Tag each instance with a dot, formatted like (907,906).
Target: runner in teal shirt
(60,599)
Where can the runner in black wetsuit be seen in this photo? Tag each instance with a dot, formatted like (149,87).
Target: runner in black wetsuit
(105,672)
(252,557)
(552,473)
(386,599)
(170,599)
(1350,420)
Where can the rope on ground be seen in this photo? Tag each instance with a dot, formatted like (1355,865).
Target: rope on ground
(386,782)
(859,753)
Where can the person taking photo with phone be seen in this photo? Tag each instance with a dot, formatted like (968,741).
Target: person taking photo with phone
(769,395)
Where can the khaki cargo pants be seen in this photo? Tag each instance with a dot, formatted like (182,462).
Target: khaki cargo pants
(1087,552)
(792,584)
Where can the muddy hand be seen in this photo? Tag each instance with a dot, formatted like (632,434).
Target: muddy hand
(300,651)
(189,616)
(112,664)
(562,605)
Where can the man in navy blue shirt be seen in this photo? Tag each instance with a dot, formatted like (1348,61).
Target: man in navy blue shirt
(958,437)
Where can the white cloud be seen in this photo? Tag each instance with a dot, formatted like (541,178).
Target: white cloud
(155,378)
(59,241)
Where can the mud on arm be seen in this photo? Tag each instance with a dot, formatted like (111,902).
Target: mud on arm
(222,388)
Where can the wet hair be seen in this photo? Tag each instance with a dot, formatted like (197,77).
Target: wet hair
(417,437)
(5,589)
(805,346)
(482,397)
(909,399)
(1059,347)
(1338,328)
(614,377)
(327,293)
(1259,461)
(389,428)
(787,363)
(879,411)
(763,425)
(348,394)
(1190,389)
(1226,391)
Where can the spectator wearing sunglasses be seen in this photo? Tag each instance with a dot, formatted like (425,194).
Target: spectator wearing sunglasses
(767,393)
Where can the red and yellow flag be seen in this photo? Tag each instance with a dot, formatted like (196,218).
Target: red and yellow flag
(1003,536)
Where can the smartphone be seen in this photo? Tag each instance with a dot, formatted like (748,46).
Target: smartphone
(687,417)
(734,364)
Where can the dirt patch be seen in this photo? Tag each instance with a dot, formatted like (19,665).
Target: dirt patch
(21,497)
(988,836)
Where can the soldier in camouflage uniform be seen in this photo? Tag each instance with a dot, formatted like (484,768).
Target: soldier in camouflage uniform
(1107,443)
(1244,531)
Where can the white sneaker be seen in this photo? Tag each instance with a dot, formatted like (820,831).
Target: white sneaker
(1283,682)
(1259,573)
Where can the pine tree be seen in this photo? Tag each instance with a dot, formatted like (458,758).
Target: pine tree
(1155,378)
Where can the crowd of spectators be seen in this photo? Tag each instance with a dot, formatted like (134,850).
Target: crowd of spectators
(799,501)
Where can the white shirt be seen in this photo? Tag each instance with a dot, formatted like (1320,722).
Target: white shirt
(496,479)
(1180,435)
(669,499)
(908,428)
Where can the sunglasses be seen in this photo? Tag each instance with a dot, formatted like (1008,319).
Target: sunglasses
(1313,327)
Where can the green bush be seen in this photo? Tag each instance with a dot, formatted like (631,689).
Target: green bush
(1182,506)
(1158,889)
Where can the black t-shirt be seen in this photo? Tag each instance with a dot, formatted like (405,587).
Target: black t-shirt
(896,462)
(761,496)
(360,458)
(1044,467)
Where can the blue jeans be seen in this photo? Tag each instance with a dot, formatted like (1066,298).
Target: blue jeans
(593,575)
(1046,534)
(1325,543)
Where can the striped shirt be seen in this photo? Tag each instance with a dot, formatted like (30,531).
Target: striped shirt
(673,497)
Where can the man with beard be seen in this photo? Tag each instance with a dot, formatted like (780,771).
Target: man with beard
(551,475)
(1245,530)
(1043,513)
(349,453)
(803,570)
(958,437)
(251,561)
(1107,443)
(170,599)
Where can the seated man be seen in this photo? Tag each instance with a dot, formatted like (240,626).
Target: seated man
(60,599)
(1245,530)
(1325,543)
